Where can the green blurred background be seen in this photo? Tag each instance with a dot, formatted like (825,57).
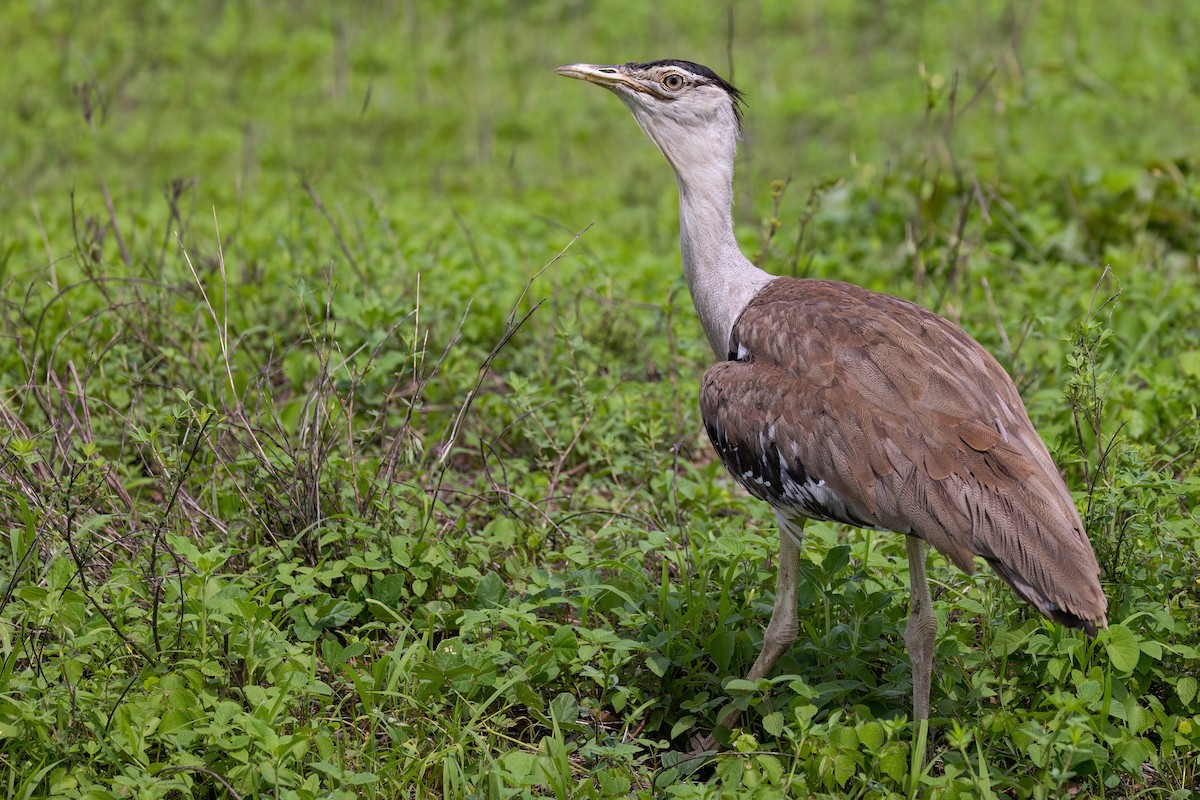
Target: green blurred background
(439,103)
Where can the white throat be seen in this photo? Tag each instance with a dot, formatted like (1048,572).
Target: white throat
(721,280)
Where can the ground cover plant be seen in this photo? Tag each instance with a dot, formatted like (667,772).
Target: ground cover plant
(350,445)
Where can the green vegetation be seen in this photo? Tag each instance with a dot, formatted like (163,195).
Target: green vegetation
(339,460)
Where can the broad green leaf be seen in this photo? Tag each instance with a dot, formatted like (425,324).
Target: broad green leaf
(304,631)
(836,559)
(1189,362)
(1134,753)
(1122,648)
(612,783)
(332,653)
(489,591)
(1136,717)
(519,762)
(720,648)
(893,762)
(386,589)
(772,766)
(564,644)
(175,722)
(1088,691)
(1186,687)
(844,737)
(565,708)
(527,697)
(843,768)
(61,573)
(336,614)
(773,723)
(401,547)
(658,664)
(871,735)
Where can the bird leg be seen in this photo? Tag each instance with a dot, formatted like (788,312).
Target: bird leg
(922,629)
(785,621)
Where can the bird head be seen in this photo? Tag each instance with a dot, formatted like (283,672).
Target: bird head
(689,111)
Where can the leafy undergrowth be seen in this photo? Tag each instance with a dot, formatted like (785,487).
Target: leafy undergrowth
(347,489)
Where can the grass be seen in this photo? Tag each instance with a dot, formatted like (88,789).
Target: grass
(350,441)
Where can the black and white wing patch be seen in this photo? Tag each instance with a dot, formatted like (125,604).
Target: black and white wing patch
(744,406)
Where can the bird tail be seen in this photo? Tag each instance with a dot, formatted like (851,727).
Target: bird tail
(1033,537)
(1089,620)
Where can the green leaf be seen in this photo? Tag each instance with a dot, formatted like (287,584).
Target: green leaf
(871,735)
(1122,648)
(337,614)
(402,551)
(527,697)
(773,768)
(741,686)
(332,653)
(520,763)
(1135,753)
(1186,687)
(658,664)
(564,644)
(489,592)
(843,768)
(893,762)
(720,648)
(612,783)
(845,737)
(60,574)
(1137,719)
(565,708)
(175,722)
(1088,691)
(773,723)
(683,724)
(1189,362)
(300,627)
(386,589)
(836,559)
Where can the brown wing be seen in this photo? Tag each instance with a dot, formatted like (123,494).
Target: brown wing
(843,404)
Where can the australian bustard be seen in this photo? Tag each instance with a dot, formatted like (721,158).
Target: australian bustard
(831,402)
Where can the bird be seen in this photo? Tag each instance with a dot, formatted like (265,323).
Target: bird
(832,402)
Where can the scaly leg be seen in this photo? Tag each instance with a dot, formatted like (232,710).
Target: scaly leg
(785,620)
(922,629)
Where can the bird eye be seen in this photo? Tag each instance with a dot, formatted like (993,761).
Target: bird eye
(673,81)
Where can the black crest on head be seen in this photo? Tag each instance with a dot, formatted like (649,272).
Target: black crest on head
(735,94)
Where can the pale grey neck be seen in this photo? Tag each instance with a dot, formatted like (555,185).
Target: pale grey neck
(700,141)
(721,280)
